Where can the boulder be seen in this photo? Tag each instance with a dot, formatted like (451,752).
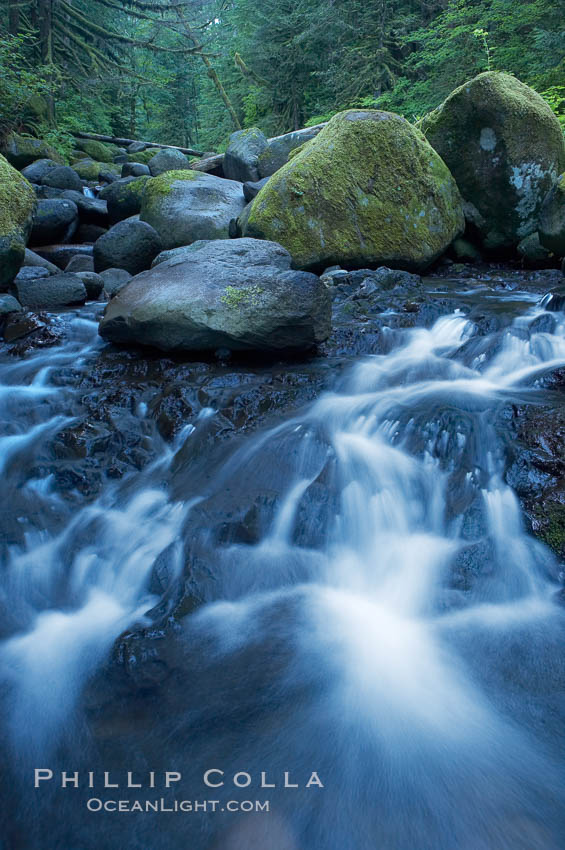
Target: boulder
(552,219)
(60,290)
(9,304)
(54,221)
(241,159)
(80,263)
(21,151)
(367,191)
(278,150)
(185,206)
(47,193)
(505,148)
(136,147)
(129,245)
(31,273)
(93,283)
(114,280)
(88,169)
(17,205)
(143,156)
(38,170)
(90,210)
(90,232)
(251,189)
(124,197)
(62,177)
(60,255)
(135,169)
(238,294)
(33,259)
(97,151)
(167,160)
(533,253)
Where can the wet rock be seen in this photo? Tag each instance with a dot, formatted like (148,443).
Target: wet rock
(129,245)
(90,210)
(54,221)
(62,177)
(90,232)
(114,280)
(54,291)
(61,255)
(533,253)
(167,160)
(38,170)
(33,259)
(135,169)
(9,304)
(31,273)
(80,263)
(186,206)
(239,295)
(93,283)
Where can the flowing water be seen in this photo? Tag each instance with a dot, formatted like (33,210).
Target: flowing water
(387,622)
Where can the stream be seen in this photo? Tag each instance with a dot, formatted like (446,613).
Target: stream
(345,587)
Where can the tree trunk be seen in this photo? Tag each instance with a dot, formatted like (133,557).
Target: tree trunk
(116,140)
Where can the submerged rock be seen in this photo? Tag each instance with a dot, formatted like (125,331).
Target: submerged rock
(17,205)
(367,191)
(240,295)
(505,148)
(185,206)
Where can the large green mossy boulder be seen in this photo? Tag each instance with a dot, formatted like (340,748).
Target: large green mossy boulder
(367,191)
(21,151)
(97,150)
(505,148)
(17,205)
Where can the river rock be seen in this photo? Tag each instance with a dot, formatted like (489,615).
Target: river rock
(278,150)
(239,294)
(17,205)
(98,151)
(129,245)
(135,169)
(534,255)
(114,280)
(9,304)
(241,159)
(47,193)
(38,170)
(136,147)
(552,219)
(54,221)
(60,255)
(93,283)
(90,232)
(251,189)
(62,177)
(90,210)
(124,197)
(59,290)
(368,190)
(31,273)
(33,259)
(80,263)
(21,151)
(167,160)
(505,148)
(185,206)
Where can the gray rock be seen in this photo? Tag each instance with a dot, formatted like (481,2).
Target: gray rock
(191,206)
(90,210)
(80,263)
(136,147)
(120,158)
(33,259)
(60,255)
(60,290)
(54,221)
(114,280)
(129,245)
(167,160)
(241,160)
(278,150)
(93,283)
(31,273)
(534,255)
(251,190)
(134,169)
(9,304)
(124,197)
(238,294)
(552,219)
(90,232)
(38,170)
(62,177)
(47,193)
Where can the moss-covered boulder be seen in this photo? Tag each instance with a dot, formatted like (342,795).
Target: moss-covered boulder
(505,148)
(185,206)
(367,191)
(98,151)
(17,205)
(144,157)
(552,219)
(21,151)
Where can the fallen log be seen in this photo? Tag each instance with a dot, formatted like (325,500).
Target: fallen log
(115,140)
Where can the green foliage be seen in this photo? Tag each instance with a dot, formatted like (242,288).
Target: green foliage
(555,96)
(21,89)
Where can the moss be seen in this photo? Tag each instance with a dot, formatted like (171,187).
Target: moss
(97,151)
(144,157)
(505,148)
(17,199)
(550,526)
(161,186)
(236,296)
(21,151)
(87,169)
(367,190)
